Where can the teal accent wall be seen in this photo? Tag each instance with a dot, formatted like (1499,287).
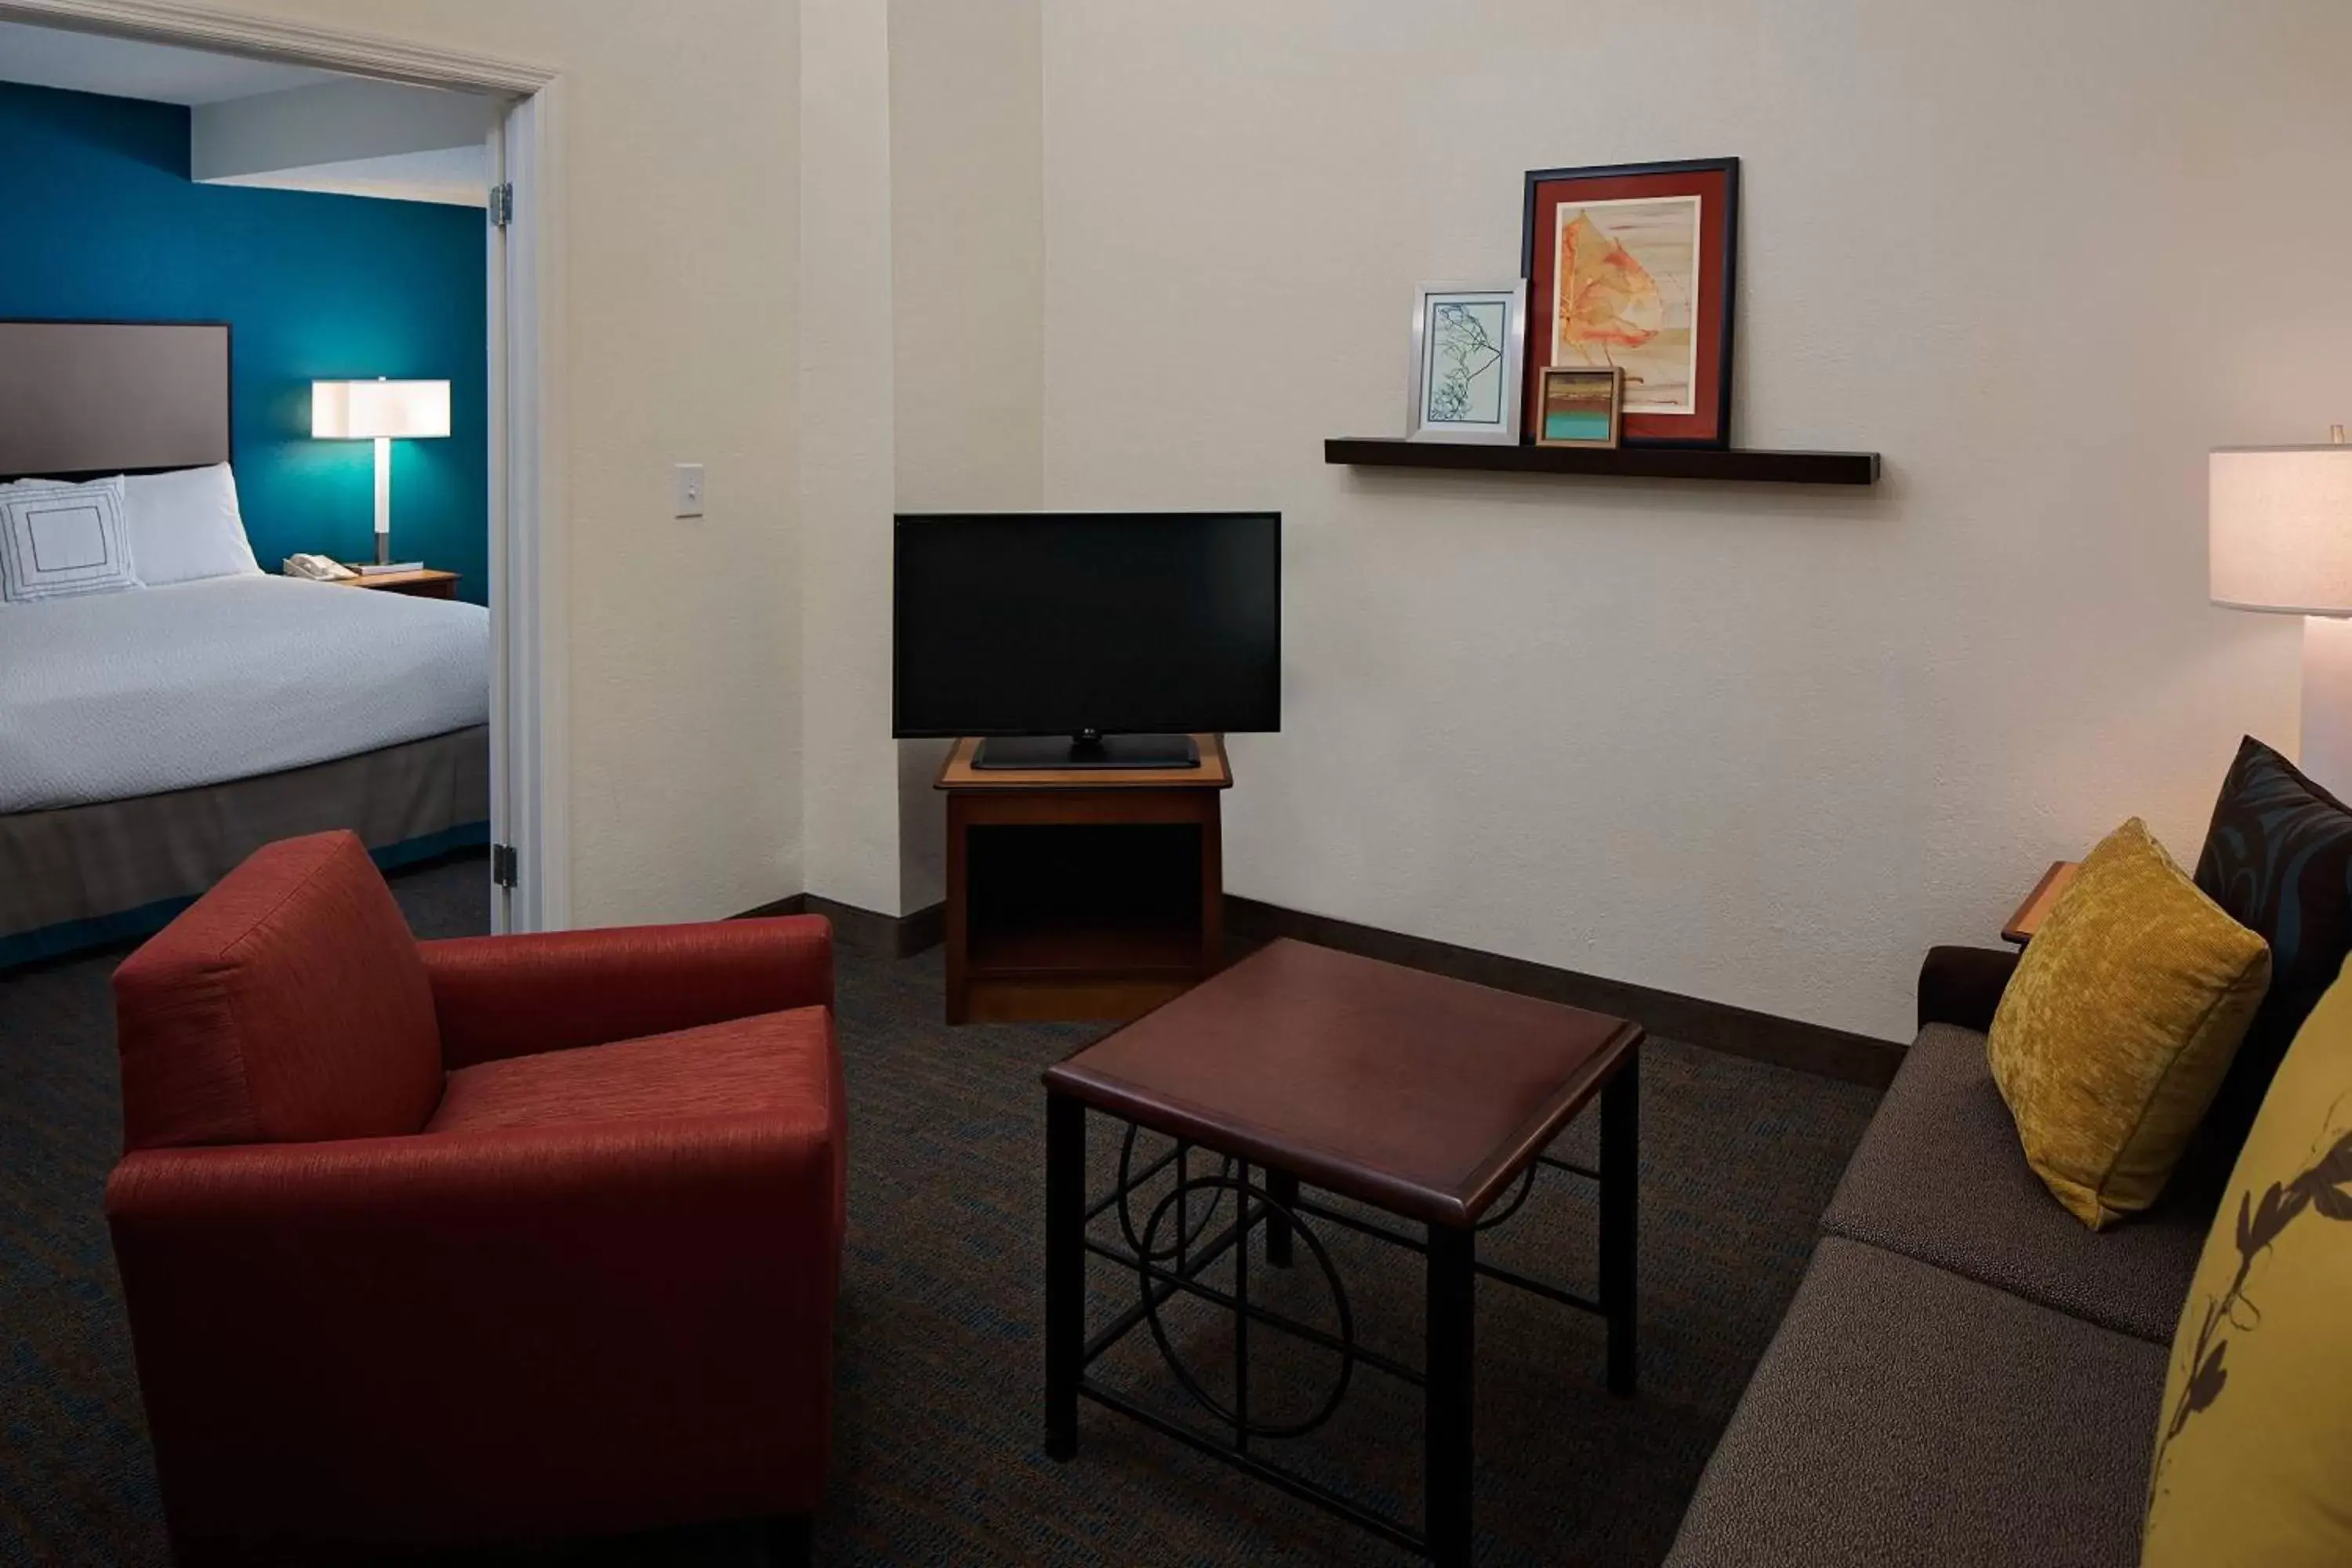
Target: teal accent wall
(103,222)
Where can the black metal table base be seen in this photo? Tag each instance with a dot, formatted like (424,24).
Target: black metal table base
(1170,1260)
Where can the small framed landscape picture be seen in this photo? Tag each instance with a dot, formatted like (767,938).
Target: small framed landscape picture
(1469,342)
(1578,406)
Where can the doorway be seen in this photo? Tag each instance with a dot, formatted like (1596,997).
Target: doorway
(515,160)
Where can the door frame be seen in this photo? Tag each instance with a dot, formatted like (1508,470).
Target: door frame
(530,729)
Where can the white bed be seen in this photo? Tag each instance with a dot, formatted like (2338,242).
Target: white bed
(108,696)
(166,707)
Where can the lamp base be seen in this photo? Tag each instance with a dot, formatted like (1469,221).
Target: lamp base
(383,500)
(2328,703)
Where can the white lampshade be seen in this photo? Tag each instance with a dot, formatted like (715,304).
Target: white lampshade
(363,410)
(2279,529)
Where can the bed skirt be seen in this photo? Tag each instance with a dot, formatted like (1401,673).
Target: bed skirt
(85,876)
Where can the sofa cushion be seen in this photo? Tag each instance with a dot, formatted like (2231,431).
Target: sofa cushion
(2278,859)
(2256,1441)
(1940,1177)
(1905,1416)
(2114,1033)
(768,1063)
(287,1004)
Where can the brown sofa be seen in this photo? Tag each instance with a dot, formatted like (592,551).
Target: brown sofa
(1967,1375)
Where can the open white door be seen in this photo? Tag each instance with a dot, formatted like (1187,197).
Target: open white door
(502,585)
(528,788)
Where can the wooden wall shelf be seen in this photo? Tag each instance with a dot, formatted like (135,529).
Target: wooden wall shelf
(1626,462)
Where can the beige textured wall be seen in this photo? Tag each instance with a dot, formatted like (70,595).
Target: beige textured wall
(968,237)
(922,370)
(1759,745)
(851,780)
(680,143)
(967,202)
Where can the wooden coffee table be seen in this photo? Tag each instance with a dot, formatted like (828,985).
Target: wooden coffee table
(1429,1099)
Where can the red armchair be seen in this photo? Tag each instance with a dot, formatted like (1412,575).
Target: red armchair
(497,1238)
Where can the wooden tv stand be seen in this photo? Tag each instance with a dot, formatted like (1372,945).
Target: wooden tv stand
(1081,893)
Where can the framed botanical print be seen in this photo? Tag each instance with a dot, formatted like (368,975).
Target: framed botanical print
(1468,343)
(1630,267)
(1578,406)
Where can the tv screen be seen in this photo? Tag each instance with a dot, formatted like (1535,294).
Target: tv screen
(1065,622)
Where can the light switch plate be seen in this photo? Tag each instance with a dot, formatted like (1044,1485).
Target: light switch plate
(690,490)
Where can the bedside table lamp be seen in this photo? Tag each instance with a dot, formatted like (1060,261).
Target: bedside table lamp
(2279,531)
(380,411)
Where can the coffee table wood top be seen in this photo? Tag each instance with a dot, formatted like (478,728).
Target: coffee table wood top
(1422,1095)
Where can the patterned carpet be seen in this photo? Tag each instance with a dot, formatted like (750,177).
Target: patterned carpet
(937,1453)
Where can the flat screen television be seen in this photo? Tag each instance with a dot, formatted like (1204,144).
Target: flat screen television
(1086,639)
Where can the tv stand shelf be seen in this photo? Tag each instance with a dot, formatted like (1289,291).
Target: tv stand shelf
(1072,950)
(1081,893)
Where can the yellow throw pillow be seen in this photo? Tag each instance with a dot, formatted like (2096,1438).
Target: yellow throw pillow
(2254,1446)
(2116,1029)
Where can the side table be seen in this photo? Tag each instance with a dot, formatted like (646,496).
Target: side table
(2038,903)
(426,584)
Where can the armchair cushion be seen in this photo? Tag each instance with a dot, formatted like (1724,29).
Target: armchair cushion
(776,1062)
(782,1068)
(287,1005)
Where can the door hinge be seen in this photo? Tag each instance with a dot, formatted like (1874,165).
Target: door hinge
(502,865)
(501,205)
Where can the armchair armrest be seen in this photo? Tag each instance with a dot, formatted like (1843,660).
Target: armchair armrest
(620,1322)
(497,996)
(1962,985)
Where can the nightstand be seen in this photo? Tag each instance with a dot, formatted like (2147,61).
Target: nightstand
(425,585)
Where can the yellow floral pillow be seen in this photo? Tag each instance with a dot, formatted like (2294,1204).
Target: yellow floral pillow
(2115,1030)
(2254,1446)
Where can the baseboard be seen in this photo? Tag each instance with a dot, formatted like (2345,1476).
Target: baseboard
(1764,1036)
(1718,1026)
(926,928)
(795,905)
(892,936)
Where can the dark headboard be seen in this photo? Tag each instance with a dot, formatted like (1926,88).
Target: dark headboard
(83,399)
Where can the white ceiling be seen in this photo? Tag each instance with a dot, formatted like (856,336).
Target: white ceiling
(123,68)
(451,176)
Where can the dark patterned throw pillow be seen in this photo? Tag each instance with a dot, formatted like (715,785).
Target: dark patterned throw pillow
(2278,859)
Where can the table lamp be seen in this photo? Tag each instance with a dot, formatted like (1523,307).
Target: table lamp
(2279,535)
(380,411)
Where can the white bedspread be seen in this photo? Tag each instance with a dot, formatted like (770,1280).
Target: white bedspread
(107,696)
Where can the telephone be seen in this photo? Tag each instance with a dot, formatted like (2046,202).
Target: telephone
(318,568)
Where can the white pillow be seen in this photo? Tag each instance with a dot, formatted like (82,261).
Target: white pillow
(185,525)
(62,540)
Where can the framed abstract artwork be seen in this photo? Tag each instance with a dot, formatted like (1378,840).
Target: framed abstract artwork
(1578,406)
(1630,267)
(1468,343)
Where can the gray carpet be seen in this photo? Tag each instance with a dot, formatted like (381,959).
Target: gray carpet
(936,1455)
